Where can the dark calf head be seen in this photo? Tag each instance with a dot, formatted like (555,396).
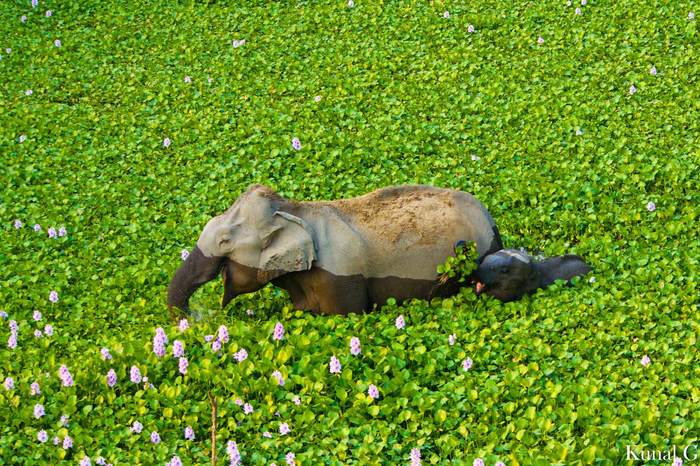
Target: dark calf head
(510,274)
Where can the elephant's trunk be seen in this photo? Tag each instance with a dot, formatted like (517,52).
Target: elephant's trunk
(193,273)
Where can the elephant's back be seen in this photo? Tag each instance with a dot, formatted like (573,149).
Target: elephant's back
(411,229)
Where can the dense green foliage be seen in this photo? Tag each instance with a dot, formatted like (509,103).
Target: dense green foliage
(550,137)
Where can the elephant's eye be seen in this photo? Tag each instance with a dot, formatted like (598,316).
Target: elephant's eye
(505,269)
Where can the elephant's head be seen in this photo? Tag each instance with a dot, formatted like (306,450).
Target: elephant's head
(509,274)
(251,243)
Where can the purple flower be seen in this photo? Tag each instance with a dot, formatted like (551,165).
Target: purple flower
(23,18)
(632,89)
(208,338)
(501,463)
(183,325)
(184,254)
(48,13)
(57,43)
(691,15)
(136,427)
(18,224)
(8,50)
(3,315)
(42,436)
(284,428)
(467,364)
(446,14)
(53,296)
(278,333)
(12,341)
(67,443)
(233,454)
(85,461)
(470,28)
(296,400)
(400,322)
(451,339)
(278,376)
(35,3)
(237,43)
(135,374)
(37,334)
(100,460)
(652,71)
(222,334)
(351,4)
(248,408)
(65,376)
(155,438)
(64,420)
(645,360)
(62,231)
(372,391)
(9,383)
(105,354)
(48,330)
(159,342)
(355,346)
(56,440)
(21,139)
(178,349)
(216,346)
(189,433)
(175,461)
(651,206)
(540,40)
(577,11)
(241,355)
(38,410)
(28,92)
(13,326)
(182,365)
(296,144)
(188,79)
(37,227)
(111,378)
(166,142)
(238,401)
(36,316)
(52,232)
(289,457)
(267,434)
(334,365)
(583,2)
(35,390)
(478,462)
(415,457)
(317,98)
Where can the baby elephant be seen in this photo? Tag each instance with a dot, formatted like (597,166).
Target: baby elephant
(510,274)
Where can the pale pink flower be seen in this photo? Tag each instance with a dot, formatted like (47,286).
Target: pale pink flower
(166,142)
(583,2)
(415,457)
(57,43)
(633,89)
(652,71)
(446,14)
(317,98)
(540,40)
(284,428)
(355,346)
(645,360)
(278,376)
(36,315)
(296,400)
(467,364)
(334,365)
(400,322)
(188,79)
(296,144)
(248,408)
(278,333)
(578,12)
(478,462)
(470,28)
(651,206)
(48,13)
(372,391)
(28,92)
(183,325)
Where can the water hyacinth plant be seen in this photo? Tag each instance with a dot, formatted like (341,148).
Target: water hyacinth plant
(577,136)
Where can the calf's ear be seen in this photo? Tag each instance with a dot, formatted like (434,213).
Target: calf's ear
(560,268)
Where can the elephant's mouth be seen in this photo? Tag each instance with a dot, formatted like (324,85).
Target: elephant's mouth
(480,287)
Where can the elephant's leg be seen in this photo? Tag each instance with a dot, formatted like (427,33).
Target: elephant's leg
(322,292)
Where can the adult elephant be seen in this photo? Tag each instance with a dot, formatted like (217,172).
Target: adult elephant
(335,257)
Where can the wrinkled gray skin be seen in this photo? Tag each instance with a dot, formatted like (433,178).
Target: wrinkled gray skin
(335,257)
(510,274)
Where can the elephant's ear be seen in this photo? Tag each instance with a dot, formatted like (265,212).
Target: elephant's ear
(560,268)
(287,247)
